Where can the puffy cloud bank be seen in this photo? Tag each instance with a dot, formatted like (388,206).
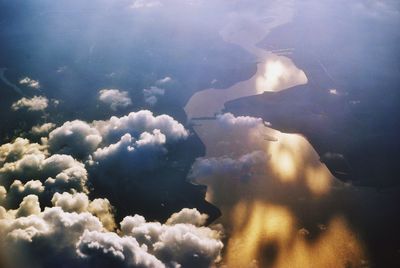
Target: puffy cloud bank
(76,138)
(27,167)
(81,139)
(71,234)
(136,123)
(119,146)
(48,217)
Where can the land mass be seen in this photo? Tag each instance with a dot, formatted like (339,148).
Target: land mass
(340,131)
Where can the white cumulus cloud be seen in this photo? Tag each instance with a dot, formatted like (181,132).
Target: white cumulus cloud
(76,137)
(30,82)
(152,94)
(43,129)
(115,98)
(224,166)
(164,80)
(36,103)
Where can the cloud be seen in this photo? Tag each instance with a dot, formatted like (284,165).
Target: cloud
(132,145)
(43,238)
(164,80)
(228,120)
(145,4)
(121,147)
(57,172)
(30,82)
(10,152)
(333,91)
(3,195)
(29,206)
(181,243)
(76,137)
(128,152)
(102,209)
(79,202)
(128,144)
(225,166)
(75,230)
(186,215)
(115,251)
(70,174)
(36,103)
(81,139)
(18,190)
(152,94)
(152,244)
(115,98)
(136,123)
(78,239)
(44,129)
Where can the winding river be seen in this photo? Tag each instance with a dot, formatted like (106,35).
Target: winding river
(270,215)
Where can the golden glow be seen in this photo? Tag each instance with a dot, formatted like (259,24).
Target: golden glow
(261,227)
(292,160)
(209,195)
(265,223)
(274,71)
(318,179)
(286,155)
(263,215)
(337,246)
(285,166)
(279,73)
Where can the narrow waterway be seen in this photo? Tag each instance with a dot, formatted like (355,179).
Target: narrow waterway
(287,210)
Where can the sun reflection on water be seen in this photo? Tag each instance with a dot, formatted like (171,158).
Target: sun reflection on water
(292,158)
(266,235)
(263,216)
(279,73)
